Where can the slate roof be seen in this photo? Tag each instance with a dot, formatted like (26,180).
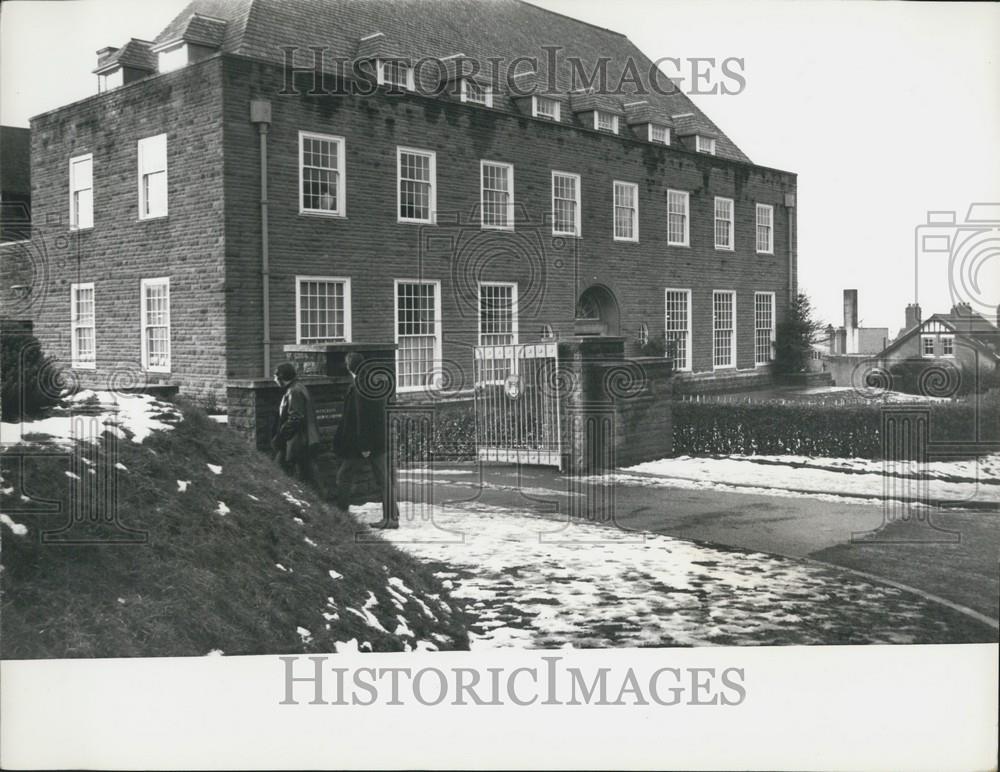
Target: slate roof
(482,29)
(136,53)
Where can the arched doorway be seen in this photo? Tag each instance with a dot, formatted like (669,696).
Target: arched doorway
(597,312)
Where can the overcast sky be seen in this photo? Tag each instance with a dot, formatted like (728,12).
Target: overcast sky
(884,110)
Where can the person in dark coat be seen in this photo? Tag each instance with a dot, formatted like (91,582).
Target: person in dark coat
(360,439)
(297,434)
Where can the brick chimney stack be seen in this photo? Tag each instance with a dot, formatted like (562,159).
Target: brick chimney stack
(912,316)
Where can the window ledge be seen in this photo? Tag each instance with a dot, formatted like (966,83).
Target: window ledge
(325,215)
(153,218)
(83,366)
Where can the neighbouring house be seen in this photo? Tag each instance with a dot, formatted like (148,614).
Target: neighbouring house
(15,183)
(945,354)
(233,189)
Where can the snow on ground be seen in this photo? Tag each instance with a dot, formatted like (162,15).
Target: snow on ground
(587,585)
(87,414)
(16,528)
(972,480)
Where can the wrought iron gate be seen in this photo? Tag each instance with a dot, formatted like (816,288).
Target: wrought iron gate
(517,404)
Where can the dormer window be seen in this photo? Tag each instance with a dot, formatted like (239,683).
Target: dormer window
(109,80)
(604,121)
(173,58)
(544,107)
(476,93)
(395,73)
(705,144)
(659,134)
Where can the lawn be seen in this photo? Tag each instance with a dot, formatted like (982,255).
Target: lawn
(237,558)
(968,568)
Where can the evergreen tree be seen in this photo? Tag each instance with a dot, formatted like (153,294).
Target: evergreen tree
(795,336)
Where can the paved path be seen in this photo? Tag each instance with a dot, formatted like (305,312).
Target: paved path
(789,525)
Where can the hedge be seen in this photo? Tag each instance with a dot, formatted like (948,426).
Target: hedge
(853,431)
(31,381)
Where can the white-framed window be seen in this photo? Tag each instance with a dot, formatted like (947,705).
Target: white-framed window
(476,93)
(927,345)
(723,223)
(497,326)
(82,323)
(677,325)
(395,73)
(659,134)
(106,81)
(544,107)
(723,328)
(416,189)
(705,144)
(81,192)
(321,174)
(155,316)
(604,121)
(496,195)
(565,204)
(763,328)
(765,229)
(626,211)
(948,345)
(418,334)
(678,227)
(322,309)
(152,154)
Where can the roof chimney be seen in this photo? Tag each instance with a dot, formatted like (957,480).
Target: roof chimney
(850,308)
(912,316)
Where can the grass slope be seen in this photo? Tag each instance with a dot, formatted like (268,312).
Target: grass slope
(204,580)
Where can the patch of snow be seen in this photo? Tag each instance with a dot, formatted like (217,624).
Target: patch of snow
(292,500)
(122,601)
(219,418)
(365,646)
(16,528)
(299,520)
(402,629)
(71,474)
(426,646)
(24,498)
(6,490)
(335,574)
(182,485)
(253,497)
(214,468)
(310,542)
(280,567)
(222,509)
(369,619)
(215,653)
(329,617)
(950,480)
(135,415)
(304,634)
(120,465)
(346,647)
(595,586)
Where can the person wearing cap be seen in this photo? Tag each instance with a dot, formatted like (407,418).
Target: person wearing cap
(361,437)
(297,433)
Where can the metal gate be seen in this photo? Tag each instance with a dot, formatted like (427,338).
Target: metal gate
(517,404)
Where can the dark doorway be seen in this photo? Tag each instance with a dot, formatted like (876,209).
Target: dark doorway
(597,312)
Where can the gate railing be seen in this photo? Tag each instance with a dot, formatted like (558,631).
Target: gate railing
(517,404)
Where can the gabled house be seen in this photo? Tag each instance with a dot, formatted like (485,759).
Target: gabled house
(234,187)
(945,353)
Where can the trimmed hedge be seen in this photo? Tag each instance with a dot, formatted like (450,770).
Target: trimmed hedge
(852,431)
